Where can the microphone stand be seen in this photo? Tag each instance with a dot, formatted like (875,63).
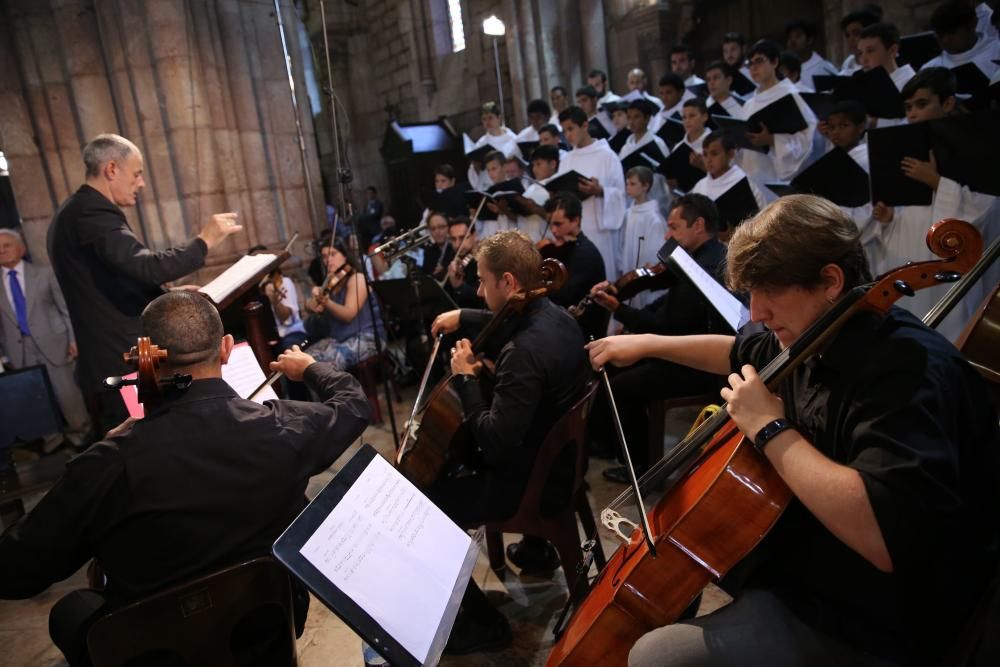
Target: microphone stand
(345,177)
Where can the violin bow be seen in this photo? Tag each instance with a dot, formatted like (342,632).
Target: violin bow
(469,230)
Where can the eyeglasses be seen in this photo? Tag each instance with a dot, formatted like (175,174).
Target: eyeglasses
(756,61)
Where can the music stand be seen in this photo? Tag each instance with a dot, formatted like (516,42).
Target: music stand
(412,298)
(28,408)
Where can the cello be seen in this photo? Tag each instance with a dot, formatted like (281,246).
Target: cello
(434,437)
(146,358)
(719,496)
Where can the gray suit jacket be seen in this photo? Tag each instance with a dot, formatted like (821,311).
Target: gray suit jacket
(48,319)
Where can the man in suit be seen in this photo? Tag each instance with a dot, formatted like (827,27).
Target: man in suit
(107,275)
(35,330)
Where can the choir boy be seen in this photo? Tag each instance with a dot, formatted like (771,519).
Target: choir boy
(902,230)
(645,229)
(682,64)
(799,38)
(719,78)
(673,95)
(604,209)
(852,25)
(718,154)
(787,153)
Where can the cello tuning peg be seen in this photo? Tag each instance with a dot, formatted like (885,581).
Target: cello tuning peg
(903,287)
(947,276)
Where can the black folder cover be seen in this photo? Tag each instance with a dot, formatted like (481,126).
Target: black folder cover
(679,167)
(736,204)
(568,182)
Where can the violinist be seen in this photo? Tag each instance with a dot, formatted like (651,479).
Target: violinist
(682,310)
(582,258)
(341,324)
(283,294)
(888,441)
(540,369)
(463,282)
(439,253)
(204,481)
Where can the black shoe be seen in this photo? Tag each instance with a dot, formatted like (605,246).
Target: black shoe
(617,474)
(474,636)
(533,556)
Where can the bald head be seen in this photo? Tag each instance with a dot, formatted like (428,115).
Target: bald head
(187,326)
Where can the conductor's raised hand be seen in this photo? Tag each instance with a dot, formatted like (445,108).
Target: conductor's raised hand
(446,323)
(293,363)
(615,350)
(219,226)
(750,403)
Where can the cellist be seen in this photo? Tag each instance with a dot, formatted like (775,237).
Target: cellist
(540,370)
(888,441)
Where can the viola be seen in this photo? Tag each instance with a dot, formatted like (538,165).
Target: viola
(720,497)
(651,276)
(433,439)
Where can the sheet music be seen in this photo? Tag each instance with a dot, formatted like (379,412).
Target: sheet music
(393,552)
(242,373)
(725,303)
(235,276)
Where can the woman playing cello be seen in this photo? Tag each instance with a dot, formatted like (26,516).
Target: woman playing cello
(886,440)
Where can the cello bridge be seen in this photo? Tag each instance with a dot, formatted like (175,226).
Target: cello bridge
(613,521)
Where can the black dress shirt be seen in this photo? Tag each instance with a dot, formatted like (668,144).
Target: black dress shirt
(683,310)
(898,403)
(205,480)
(465,295)
(437,257)
(108,276)
(586,268)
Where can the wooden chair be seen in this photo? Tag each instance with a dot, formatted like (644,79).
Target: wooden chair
(558,525)
(203,622)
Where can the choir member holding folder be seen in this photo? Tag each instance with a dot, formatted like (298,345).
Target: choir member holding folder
(719,79)
(601,180)
(780,126)
(673,95)
(538,117)
(496,138)
(970,54)
(735,195)
(937,166)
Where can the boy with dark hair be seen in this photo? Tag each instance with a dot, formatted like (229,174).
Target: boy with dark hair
(787,153)
(902,230)
(723,177)
(851,25)
(719,79)
(560,101)
(586,99)
(955,24)
(878,46)
(733,45)
(790,67)
(673,94)
(538,115)
(642,140)
(800,37)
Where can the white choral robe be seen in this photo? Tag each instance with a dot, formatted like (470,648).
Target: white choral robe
(602,216)
(730,104)
(644,232)
(693,80)
(984,54)
(849,66)
(815,66)
(506,143)
(696,145)
(657,121)
(713,188)
(903,239)
(660,192)
(790,151)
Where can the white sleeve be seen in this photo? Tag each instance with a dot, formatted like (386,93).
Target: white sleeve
(952,200)
(613,212)
(790,151)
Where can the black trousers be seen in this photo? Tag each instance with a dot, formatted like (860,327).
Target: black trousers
(635,389)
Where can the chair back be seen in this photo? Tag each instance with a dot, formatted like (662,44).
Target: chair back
(241,615)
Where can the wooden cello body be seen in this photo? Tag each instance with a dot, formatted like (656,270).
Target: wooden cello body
(721,497)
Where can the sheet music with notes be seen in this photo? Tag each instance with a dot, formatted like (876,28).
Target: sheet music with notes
(236,276)
(389,549)
(242,373)
(734,312)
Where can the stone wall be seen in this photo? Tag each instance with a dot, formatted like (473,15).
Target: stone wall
(199,86)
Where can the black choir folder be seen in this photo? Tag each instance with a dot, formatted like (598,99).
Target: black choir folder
(567,182)
(781,117)
(835,176)
(383,558)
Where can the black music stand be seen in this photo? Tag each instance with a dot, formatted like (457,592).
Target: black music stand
(420,298)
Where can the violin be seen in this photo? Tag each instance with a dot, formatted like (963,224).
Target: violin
(649,277)
(433,439)
(718,496)
(337,279)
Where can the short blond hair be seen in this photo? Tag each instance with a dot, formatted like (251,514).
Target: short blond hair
(512,252)
(790,241)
